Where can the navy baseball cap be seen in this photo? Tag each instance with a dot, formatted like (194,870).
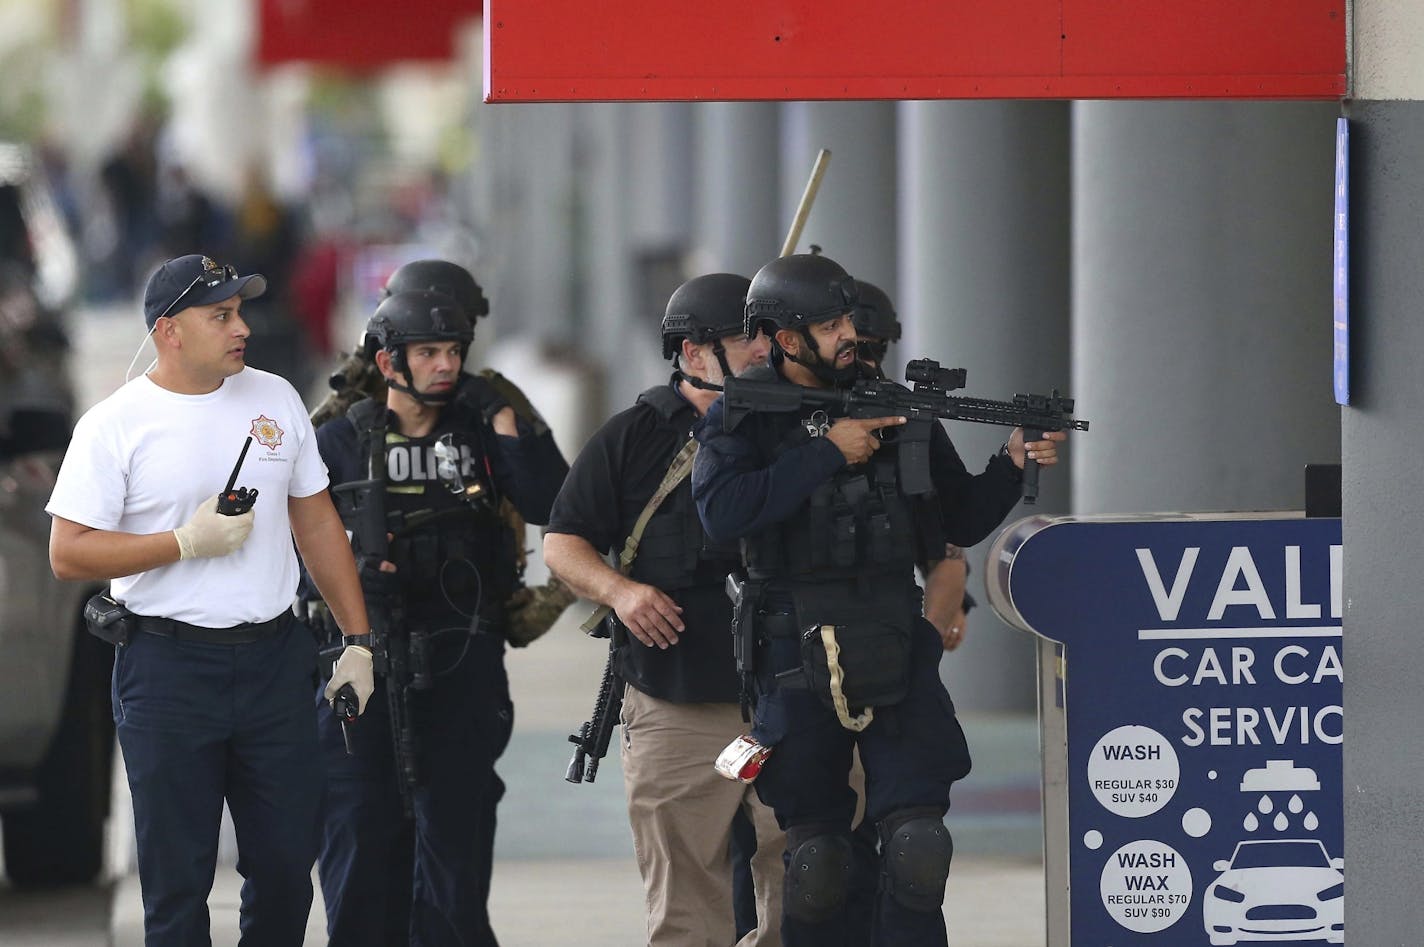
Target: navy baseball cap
(195,280)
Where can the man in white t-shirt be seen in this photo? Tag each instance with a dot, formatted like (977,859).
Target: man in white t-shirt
(212,686)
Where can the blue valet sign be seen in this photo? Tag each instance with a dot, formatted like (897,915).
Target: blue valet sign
(1192,673)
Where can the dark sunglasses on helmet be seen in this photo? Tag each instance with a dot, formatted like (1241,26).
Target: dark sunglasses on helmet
(208,278)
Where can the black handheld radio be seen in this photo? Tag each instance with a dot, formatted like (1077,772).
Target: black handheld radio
(346,707)
(236,502)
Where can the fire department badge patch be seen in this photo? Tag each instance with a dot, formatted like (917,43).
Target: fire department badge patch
(266,432)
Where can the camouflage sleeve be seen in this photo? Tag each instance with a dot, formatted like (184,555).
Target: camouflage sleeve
(354,379)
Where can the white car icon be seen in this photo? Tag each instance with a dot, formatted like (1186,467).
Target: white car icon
(1282,889)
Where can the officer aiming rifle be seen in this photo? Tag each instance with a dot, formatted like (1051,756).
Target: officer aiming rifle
(831,527)
(920,407)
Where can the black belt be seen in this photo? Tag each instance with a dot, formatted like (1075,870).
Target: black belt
(245,633)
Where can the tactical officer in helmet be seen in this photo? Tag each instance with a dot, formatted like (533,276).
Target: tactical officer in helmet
(844,658)
(946,600)
(681,706)
(532,609)
(448,448)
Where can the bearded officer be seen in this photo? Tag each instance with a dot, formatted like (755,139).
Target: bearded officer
(845,660)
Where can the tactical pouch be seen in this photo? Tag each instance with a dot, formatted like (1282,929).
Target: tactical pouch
(854,655)
(108,620)
(874,659)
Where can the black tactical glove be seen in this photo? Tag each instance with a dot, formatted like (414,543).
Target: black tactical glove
(488,399)
(517,399)
(381,589)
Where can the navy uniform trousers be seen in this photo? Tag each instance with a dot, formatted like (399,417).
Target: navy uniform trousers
(199,723)
(388,880)
(912,753)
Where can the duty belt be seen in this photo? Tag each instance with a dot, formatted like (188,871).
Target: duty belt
(245,633)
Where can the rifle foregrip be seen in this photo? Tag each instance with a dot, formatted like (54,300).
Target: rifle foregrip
(574,773)
(1030,467)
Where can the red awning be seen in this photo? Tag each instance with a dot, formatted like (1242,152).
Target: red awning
(359,34)
(573,50)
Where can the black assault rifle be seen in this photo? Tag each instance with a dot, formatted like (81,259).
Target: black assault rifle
(591,742)
(364,513)
(929,400)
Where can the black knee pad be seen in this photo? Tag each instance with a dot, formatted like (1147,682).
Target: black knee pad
(915,852)
(818,874)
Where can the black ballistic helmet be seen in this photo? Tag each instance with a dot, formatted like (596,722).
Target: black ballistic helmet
(792,292)
(704,309)
(416,316)
(440,276)
(875,314)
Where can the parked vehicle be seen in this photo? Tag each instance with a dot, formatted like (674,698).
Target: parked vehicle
(56,728)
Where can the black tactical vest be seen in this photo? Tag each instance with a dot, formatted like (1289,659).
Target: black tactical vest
(856,525)
(674,552)
(843,565)
(451,555)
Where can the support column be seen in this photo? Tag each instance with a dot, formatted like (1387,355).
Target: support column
(658,173)
(984,271)
(606,307)
(739,225)
(1201,303)
(1383,480)
(523,204)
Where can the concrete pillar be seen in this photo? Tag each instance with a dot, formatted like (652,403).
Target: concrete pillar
(1201,303)
(736,183)
(613,325)
(661,212)
(524,203)
(984,229)
(659,171)
(853,219)
(1384,759)
(1384,754)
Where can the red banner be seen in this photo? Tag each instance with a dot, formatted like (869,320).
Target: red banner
(359,34)
(577,50)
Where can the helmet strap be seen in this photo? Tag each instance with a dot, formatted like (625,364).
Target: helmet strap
(401,366)
(721,354)
(695,382)
(409,389)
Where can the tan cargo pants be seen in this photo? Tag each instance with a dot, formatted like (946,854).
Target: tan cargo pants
(681,813)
